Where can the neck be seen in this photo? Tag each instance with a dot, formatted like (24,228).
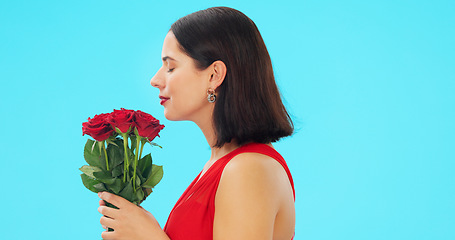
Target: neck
(210,135)
(217,153)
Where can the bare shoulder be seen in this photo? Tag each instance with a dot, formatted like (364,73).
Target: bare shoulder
(253,190)
(253,167)
(258,174)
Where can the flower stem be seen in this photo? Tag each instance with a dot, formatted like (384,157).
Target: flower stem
(138,140)
(125,164)
(105,154)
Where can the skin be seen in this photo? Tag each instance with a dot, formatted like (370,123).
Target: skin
(263,206)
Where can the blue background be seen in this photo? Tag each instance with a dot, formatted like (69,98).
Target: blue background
(370,85)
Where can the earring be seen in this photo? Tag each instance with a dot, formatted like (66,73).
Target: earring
(211,97)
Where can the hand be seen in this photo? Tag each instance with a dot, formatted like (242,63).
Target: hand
(129,221)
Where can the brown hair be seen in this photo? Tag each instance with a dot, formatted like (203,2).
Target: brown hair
(248,105)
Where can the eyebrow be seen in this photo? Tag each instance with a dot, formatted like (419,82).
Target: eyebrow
(167,57)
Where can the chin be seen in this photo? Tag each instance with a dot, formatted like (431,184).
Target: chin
(171,117)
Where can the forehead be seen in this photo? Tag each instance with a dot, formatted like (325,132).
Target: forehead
(171,47)
(172,51)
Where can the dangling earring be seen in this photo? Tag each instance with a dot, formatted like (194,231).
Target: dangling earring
(211,97)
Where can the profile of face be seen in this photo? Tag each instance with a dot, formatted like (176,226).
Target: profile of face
(183,87)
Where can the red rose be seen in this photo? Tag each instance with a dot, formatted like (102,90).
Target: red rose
(122,119)
(146,125)
(97,127)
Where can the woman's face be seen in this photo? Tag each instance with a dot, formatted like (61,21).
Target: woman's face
(183,88)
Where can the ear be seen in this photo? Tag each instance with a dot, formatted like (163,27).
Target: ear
(218,74)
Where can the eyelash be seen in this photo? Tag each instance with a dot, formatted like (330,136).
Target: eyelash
(170,70)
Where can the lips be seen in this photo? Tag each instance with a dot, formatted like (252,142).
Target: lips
(163,99)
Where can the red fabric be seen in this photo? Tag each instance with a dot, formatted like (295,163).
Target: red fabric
(193,214)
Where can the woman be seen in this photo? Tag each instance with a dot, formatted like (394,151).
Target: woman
(217,73)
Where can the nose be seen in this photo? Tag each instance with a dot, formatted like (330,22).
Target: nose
(157,80)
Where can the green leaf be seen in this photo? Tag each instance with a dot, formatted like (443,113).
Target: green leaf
(155,177)
(117,171)
(104,176)
(100,187)
(145,165)
(133,142)
(115,155)
(128,192)
(89,170)
(139,174)
(139,195)
(130,157)
(89,182)
(116,186)
(94,157)
(138,182)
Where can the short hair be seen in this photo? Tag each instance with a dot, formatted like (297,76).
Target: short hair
(248,105)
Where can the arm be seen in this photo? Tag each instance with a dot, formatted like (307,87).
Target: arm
(254,200)
(129,221)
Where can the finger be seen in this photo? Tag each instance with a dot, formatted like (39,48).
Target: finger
(108,235)
(114,199)
(108,212)
(107,222)
(102,203)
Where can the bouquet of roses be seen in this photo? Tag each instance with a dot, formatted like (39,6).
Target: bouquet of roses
(115,164)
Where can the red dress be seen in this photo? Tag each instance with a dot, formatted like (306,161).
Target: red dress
(193,214)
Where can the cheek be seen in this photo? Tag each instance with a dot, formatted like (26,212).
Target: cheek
(188,100)
(186,89)
(188,95)
(185,104)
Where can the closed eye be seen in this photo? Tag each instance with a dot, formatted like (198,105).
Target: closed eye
(170,70)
